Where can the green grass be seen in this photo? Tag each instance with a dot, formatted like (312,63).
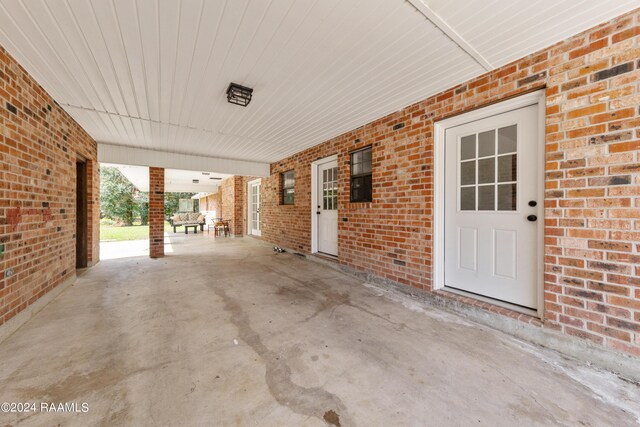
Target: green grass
(134,232)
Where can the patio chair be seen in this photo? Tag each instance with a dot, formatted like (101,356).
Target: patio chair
(219,226)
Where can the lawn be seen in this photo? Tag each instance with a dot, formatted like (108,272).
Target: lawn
(134,232)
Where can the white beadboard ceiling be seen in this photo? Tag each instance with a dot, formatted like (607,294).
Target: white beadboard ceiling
(152,74)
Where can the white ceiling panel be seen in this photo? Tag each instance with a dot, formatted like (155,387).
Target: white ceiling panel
(504,31)
(152,74)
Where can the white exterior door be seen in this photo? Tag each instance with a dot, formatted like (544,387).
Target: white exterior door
(492,211)
(327,208)
(254,207)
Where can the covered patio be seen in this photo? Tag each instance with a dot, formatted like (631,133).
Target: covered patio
(429,212)
(185,339)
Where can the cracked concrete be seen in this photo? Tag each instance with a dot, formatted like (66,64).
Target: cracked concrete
(226,332)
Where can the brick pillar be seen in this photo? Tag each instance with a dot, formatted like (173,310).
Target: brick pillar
(238,217)
(156,212)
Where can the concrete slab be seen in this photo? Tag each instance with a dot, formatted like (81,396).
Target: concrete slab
(132,248)
(227,332)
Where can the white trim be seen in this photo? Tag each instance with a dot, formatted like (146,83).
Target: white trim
(249,185)
(542,118)
(314,199)
(533,98)
(121,155)
(448,31)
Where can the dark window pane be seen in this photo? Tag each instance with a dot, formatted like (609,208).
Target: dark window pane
(287,197)
(507,139)
(468,199)
(486,170)
(508,168)
(288,179)
(507,197)
(366,167)
(366,156)
(356,157)
(486,197)
(487,143)
(361,189)
(361,162)
(288,183)
(468,147)
(361,176)
(468,173)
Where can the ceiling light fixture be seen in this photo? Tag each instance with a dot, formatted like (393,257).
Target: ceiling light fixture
(239,95)
(213,177)
(206,173)
(196,181)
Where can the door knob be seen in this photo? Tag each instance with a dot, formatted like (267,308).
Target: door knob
(318,212)
(532,218)
(533,203)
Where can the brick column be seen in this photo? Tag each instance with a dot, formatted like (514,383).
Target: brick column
(156,212)
(237,226)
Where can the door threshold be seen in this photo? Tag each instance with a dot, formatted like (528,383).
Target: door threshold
(326,256)
(509,306)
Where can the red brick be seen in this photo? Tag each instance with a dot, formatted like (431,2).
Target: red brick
(626,34)
(39,145)
(156,212)
(624,146)
(596,45)
(587,111)
(615,115)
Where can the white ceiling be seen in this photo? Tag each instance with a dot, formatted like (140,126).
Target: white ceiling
(174,180)
(153,73)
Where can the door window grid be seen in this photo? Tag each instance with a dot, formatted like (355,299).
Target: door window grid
(488,170)
(330,189)
(255,202)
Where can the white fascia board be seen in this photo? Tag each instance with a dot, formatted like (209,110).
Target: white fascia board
(122,155)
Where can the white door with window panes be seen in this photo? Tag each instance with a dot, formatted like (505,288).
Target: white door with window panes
(327,208)
(491,207)
(254,207)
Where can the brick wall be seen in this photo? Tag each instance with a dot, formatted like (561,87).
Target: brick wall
(211,202)
(231,196)
(39,146)
(156,212)
(592,215)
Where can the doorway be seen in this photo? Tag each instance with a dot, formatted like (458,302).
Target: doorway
(81,215)
(491,221)
(254,227)
(324,206)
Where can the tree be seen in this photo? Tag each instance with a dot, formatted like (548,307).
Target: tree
(142,199)
(117,196)
(172,202)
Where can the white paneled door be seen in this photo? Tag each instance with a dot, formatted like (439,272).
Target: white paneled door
(492,212)
(327,208)
(254,208)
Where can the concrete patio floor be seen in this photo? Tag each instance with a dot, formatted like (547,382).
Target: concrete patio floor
(226,332)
